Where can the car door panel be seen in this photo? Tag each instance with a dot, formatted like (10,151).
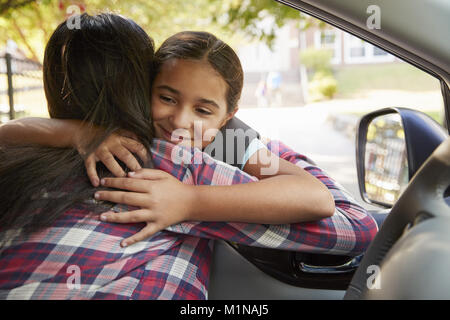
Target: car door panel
(234,277)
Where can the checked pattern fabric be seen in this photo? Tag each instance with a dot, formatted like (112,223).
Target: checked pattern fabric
(80,257)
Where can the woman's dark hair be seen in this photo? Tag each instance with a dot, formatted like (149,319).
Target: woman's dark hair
(99,73)
(196,45)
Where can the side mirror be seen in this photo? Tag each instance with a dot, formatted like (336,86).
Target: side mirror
(385,164)
(391,145)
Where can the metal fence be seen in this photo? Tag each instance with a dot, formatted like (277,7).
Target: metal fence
(21,76)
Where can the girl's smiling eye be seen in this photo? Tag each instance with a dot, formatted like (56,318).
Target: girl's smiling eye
(203,111)
(167,99)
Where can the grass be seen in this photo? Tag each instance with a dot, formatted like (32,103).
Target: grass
(411,87)
(436,115)
(352,80)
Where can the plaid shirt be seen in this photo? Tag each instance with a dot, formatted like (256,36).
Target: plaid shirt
(79,256)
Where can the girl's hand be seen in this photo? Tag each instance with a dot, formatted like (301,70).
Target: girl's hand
(163,199)
(119,146)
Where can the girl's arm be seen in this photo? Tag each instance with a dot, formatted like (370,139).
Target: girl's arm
(286,194)
(68,133)
(165,201)
(349,231)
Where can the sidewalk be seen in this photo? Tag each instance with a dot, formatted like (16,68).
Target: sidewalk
(344,114)
(291,93)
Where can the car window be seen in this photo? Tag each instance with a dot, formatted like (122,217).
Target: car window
(329,79)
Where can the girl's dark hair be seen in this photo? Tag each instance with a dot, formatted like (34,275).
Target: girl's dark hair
(198,45)
(99,73)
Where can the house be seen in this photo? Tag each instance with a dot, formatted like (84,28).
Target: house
(347,49)
(257,58)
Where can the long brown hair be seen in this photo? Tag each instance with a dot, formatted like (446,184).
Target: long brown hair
(99,73)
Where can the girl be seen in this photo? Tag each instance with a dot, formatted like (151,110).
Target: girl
(197,82)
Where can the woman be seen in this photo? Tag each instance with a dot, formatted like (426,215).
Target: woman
(99,74)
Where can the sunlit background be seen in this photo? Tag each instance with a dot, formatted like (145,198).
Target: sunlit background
(306,82)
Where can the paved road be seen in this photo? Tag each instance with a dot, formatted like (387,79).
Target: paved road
(308,130)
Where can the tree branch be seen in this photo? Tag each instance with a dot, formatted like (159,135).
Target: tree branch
(24,39)
(6,5)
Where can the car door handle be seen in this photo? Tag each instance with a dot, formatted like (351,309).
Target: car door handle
(343,268)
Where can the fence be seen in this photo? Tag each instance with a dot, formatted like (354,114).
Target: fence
(21,76)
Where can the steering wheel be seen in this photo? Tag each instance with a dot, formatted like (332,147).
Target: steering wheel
(415,232)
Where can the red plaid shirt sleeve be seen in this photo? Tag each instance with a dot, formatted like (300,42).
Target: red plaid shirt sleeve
(348,232)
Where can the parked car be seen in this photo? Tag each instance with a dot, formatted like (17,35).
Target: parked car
(403,167)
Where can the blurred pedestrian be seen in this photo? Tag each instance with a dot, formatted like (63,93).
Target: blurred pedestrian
(261,93)
(273,83)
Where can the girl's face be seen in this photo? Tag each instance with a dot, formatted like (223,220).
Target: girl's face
(188,102)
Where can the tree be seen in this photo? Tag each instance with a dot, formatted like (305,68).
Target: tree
(248,15)
(31,22)
(29,25)
(7,5)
